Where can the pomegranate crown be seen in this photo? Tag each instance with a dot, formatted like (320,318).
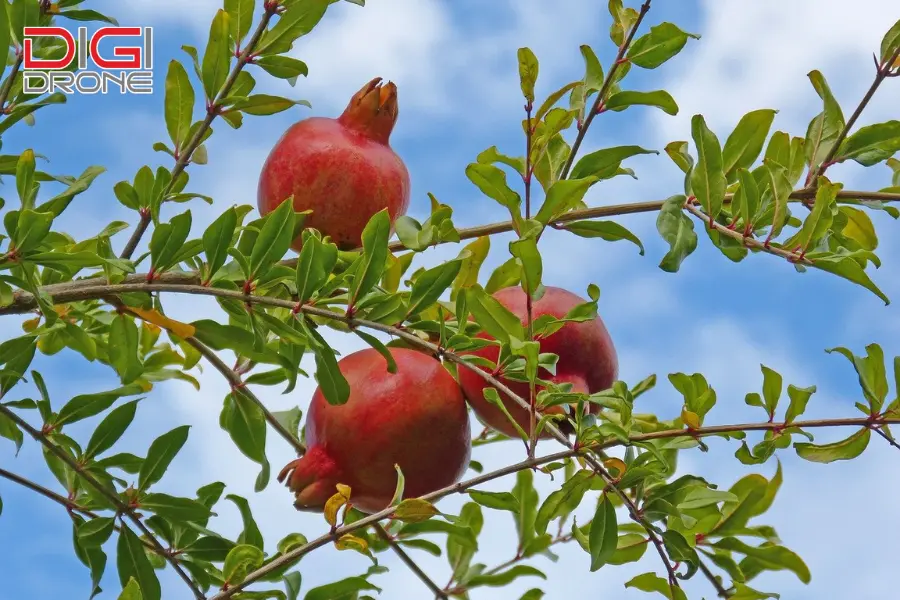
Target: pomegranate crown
(372,110)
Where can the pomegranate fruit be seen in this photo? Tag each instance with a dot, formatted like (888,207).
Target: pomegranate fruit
(587,359)
(342,169)
(416,418)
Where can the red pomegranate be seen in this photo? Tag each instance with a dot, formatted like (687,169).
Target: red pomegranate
(415,418)
(587,358)
(342,169)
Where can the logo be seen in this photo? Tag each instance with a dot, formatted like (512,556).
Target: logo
(126,67)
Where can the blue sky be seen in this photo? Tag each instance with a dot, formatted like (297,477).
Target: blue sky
(455,65)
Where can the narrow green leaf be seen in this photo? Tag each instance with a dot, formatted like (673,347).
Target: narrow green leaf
(374,240)
(111,429)
(677,229)
(605,230)
(160,455)
(431,284)
(217,58)
(662,43)
(659,98)
(274,238)
(563,196)
(217,240)
(603,164)
(132,562)
(604,534)
(528,72)
(846,449)
(493,317)
(240,13)
(299,19)
(708,175)
(314,266)
(743,146)
(179,104)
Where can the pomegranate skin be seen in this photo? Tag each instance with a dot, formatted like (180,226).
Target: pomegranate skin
(416,418)
(587,359)
(343,169)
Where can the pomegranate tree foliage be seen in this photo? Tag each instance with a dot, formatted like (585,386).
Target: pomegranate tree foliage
(745,195)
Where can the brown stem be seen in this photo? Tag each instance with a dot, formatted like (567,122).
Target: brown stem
(121,506)
(463,486)
(435,588)
(721,592)
(185,154)
(888,438)
(7,85)
(69,504)
(238,387)
(73,291)
(604,87)
(881,74)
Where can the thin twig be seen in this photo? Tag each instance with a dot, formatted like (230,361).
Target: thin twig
(409,562)
(7,85)
(238,387)
(881,73)
(121,507)
(721,592)
(889,439)
(185,154)
(529,301)
(72,291)
(463,486)
(604,87)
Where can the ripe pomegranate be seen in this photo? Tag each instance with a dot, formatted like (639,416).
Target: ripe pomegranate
(342,169)
(587,359)
(415,418)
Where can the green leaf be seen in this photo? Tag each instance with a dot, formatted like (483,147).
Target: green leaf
(662,43)
(251,533)
(265,104)
(111,429)
(492,182)
(492,316)
(94,533)
(283,67)
(743,146)
(604,536)
(132,591)
(799,399)
(217,240)
(871,373)
(25,183)
(774,558)
(345,588)
(846,449)
(328,374)
(160,455)
(245,423)
(374,240)
(167,241)
(179,104)
(496,500)
(677,229)
(563,196)
(31,230)
(240,561)
(526,251)
(825,127)
(240,13)
(871,144)
(603,164)
(890,42)
(605,230)
(820,218)
(5,33)
(314,266)
(651,582)
(299,19)
(708,175)
(87,405)
(859,228)
(175,509)
(528,72)
(210,548)
(772,387)
(659,98)
(57,204)
(123,348)
(274,238)
(781,188)
(431,284)
(593,77)
(471,264)
(504,578)
(132,562)
(217,58)
(846,266)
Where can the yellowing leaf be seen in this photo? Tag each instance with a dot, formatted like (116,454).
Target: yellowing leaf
(414,510)
(334,504)
(617,464)
(691,419)
(182,330)
(348,541)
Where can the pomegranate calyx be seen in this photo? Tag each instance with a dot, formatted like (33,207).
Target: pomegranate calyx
(312,478)
(372,111)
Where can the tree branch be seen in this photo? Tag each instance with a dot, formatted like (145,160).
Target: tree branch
(121,506)
(881,73)
(74,291)
(598,102)
(7,85)
(463,486)
(409,562)
(185,154)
